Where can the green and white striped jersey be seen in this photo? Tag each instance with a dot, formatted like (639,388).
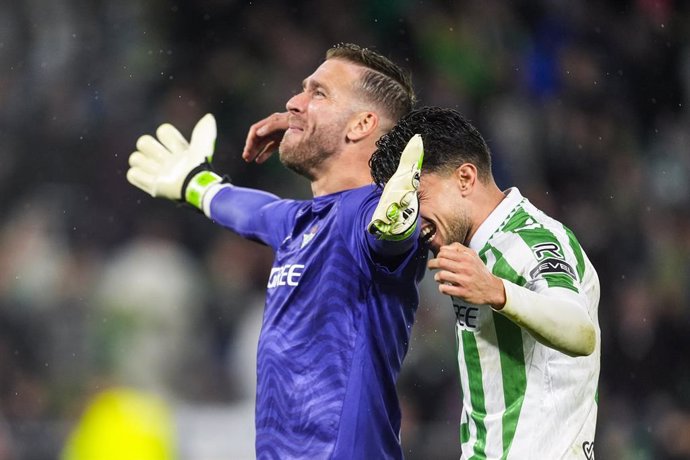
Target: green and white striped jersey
(522,399)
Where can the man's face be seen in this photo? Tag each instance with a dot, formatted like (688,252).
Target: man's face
(445,218)
(319,115)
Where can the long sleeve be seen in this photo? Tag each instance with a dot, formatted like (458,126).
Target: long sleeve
(557,320)
(253,214)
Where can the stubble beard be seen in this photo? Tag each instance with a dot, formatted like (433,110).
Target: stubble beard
(458,228)
(306,154)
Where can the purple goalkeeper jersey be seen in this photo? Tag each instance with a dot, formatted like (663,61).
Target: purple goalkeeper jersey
(336,325)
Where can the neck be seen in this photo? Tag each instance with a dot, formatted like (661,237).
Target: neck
(336,180)
(344,171)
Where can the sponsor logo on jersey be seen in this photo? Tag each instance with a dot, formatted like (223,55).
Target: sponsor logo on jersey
(551,261)
(467,315)
(551,266)
(588,449)
(287,275)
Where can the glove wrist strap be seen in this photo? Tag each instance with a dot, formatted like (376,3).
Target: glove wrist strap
(197,182)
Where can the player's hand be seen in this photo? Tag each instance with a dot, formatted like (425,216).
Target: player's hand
(161,167)
(264,137)
(462,274)
(395,217)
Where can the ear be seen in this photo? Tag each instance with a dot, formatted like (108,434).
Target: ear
(362,125)
(466,177)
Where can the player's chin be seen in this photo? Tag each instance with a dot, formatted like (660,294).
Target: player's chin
(289,149)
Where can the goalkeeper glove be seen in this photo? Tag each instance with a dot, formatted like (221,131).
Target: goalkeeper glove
(395,217)
(170,167)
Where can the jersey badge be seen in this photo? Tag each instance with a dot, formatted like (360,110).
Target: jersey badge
(307,237)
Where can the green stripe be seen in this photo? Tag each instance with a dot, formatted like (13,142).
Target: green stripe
(464,433)
(577,249)
(510,346)
(514,374)
(502,268)
(517,220)
(560,280)
(474,374)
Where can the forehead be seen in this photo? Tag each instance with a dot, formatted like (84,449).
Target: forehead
(429,178)
(336,73)
(433,181)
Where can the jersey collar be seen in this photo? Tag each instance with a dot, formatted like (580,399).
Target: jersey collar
(496,219)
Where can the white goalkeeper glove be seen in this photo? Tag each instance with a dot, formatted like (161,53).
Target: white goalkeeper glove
(173,168)
(395,217)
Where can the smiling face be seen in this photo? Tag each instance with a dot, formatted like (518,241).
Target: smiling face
(445,214)
(319,116)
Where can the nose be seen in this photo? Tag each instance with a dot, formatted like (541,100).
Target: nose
(296,103)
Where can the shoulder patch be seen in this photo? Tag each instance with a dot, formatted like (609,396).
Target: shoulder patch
(552,265)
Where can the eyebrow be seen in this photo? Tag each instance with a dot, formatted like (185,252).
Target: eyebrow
(313,83)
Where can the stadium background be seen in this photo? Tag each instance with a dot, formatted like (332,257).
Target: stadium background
(584,104)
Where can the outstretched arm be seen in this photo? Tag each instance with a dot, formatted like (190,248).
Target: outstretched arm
(556,319)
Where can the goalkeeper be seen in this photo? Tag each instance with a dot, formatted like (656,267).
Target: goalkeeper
(342,293)
(524,292)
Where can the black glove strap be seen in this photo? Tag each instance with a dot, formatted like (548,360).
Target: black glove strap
(205,166)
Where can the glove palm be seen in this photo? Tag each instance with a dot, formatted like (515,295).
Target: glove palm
(160,167)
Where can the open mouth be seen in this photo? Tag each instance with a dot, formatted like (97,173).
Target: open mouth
(428,232)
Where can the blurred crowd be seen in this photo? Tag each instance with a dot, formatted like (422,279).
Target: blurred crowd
(584,105)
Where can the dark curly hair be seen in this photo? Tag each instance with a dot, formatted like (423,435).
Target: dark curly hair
(449,141)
